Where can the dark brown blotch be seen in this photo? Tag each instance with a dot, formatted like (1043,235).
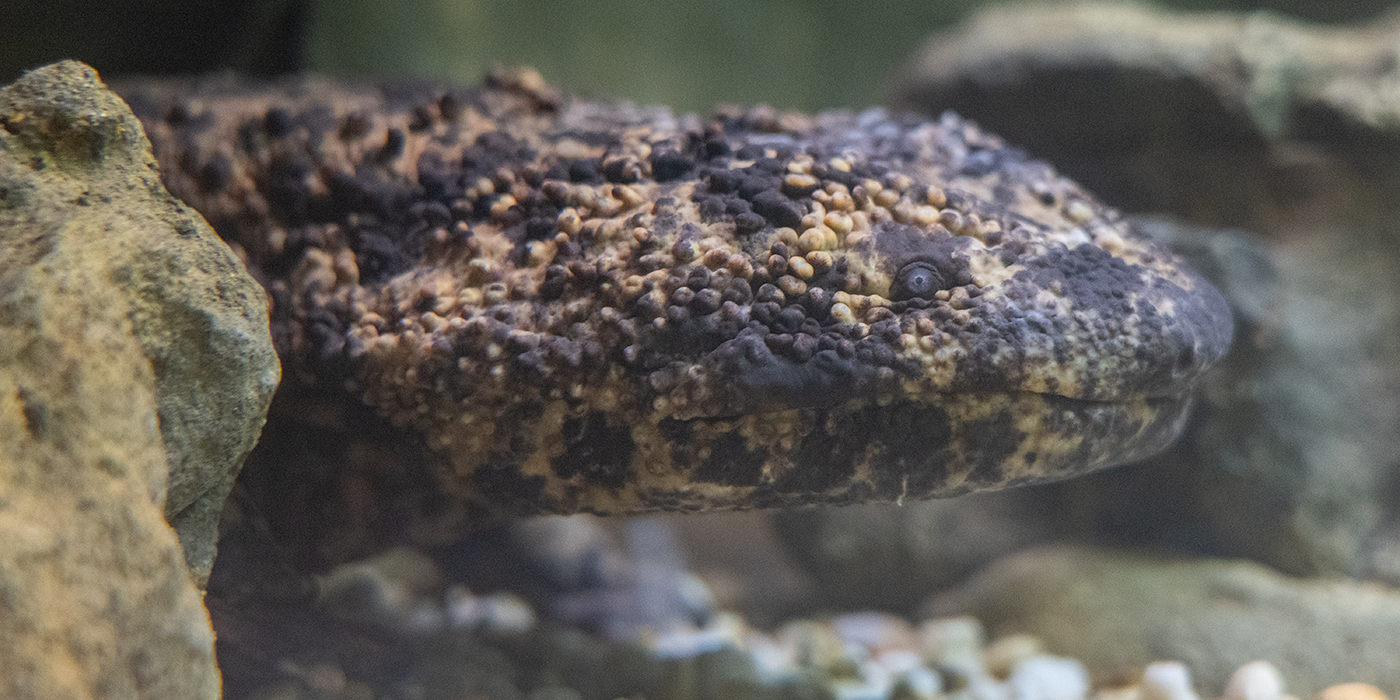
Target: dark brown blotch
(600,453)
(501,482)
(731,463)
(989,443)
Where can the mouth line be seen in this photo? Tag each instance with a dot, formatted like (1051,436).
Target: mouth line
(1151,400)
(940,399)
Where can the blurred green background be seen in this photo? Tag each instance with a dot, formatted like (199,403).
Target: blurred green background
(789,53)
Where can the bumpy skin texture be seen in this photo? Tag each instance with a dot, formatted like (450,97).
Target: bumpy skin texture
(597,307)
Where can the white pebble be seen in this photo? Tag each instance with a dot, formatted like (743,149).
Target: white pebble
(1049,678)
(1258,680)
(955,642)
(1132,692)
(984,687)
(500,612)
(773,662)
(899,661)
(814,645)
(725,631)
(873,630)
(1005,654)
(1167,680)
(506,612)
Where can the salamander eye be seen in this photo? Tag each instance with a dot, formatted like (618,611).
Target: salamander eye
(917,279)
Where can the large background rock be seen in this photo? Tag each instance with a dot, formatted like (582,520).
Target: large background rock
(110,295)
(790,53)
(1225,119)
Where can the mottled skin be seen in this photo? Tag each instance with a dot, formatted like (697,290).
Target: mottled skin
(587,306)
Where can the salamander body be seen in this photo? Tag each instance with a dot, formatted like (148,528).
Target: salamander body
(586,306)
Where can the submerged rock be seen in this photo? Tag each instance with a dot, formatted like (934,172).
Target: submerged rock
(1118,612)
(893,556)
(135,365)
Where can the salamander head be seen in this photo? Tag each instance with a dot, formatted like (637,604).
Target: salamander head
(808,320)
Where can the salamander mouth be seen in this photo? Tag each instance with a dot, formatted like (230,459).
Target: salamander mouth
(868,451)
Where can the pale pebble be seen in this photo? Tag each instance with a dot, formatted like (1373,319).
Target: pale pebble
(500,612)
(1132,692)
(1352,691)
(773,661)
(1048,677)
(1005,654)
(899,661)
(815,645)
(875,631)
(954,642)
(1257,680)
(1167,680)
(984,687)
(725,631)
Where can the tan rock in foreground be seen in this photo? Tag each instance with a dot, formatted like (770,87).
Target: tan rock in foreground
(111,292)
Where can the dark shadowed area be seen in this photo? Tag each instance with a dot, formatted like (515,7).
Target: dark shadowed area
(793,54)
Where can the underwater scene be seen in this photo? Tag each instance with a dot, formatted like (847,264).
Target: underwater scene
(463,349)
